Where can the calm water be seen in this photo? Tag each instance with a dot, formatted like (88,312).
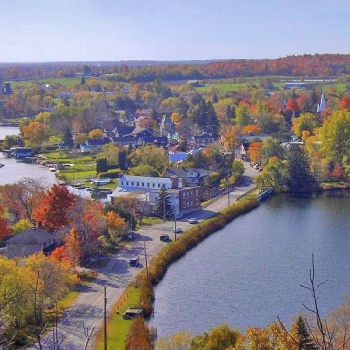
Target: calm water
(14,171)
(251,271)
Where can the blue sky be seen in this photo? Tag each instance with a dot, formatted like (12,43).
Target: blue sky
(113,30)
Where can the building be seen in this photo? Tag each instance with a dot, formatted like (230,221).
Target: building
(190,176)
(31,241)
(322,105)
(182,199)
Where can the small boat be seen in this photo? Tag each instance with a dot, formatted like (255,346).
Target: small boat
(1,165)
(101,181)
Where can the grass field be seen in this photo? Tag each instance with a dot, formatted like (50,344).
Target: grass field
(67,82)
(117,327)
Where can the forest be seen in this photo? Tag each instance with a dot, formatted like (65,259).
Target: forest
(318,65)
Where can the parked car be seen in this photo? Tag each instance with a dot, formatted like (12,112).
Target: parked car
(134,262)
(164,238)
(192,221)
(177,230)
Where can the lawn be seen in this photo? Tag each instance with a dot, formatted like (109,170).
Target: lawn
(67,82)
(117,327)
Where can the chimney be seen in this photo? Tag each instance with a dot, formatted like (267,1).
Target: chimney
(174,181)
(39,224)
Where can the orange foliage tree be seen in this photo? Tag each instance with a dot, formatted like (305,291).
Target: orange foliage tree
(345,103)
(231,138)
(255,151)
(53,211)
(73,251)
(251,129)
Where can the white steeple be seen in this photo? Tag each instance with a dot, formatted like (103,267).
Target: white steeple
(322,105)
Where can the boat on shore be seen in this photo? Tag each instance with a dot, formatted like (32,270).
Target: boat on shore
(100,181)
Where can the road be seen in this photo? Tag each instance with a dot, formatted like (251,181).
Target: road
(87,311)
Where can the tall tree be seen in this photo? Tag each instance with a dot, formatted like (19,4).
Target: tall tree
(163,205)
(302,335)
(53,211)
(35,133)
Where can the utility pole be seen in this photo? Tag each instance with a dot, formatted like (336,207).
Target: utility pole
(144,246)
(175,222)
(228,188)
(105,319)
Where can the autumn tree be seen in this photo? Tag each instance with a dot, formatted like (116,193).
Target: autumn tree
(4,229)
(116,225)
(73,249)
(23,197)
(231,138)
(36,133)
(334,135)
(178,341)
(95,134)
(255,151)
(110,152)
(87,218)
(138,337)
(305,122)
(53,210)
(221,337)
(345,103)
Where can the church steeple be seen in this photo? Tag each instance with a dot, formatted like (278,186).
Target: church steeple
(322,105)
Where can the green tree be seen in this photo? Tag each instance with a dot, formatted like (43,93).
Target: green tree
(300,177)
(143,170)
(302,335)
(305,122)
(150,155)
(334,135)
(68,137)
(221,337)
(110,152)
(163,205)
(101,165)
(242,114)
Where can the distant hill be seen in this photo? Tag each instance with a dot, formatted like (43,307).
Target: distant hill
(318,65)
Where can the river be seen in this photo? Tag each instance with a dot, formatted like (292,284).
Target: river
(14,170)
(250,272)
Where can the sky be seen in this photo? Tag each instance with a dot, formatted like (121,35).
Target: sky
(168,30)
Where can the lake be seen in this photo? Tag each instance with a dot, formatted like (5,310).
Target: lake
(250,272)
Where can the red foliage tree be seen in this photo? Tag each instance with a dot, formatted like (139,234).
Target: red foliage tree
(345,103)
(4,229)
(292,105)
(54,208)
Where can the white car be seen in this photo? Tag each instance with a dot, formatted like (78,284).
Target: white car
(192,221)
(177,230)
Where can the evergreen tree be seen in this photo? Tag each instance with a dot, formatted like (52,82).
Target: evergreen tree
(82,81)
(212,120)
(163,205)
(101,165)
(68,137)
(122,160)
(215,98)
(303,336)
(300,177)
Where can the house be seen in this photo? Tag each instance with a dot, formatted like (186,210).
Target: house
(201,140)
(31,241)
(190,176)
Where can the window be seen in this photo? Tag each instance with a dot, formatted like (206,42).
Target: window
(132,183)
(127,183)
(196,192)
(158,185)
(154,185)
(121,182)
(147,184)
(143,184)
(137,184)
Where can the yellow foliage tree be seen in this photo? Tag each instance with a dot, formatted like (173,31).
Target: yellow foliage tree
(35,133)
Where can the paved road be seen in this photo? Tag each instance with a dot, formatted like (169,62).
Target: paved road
(87,310)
